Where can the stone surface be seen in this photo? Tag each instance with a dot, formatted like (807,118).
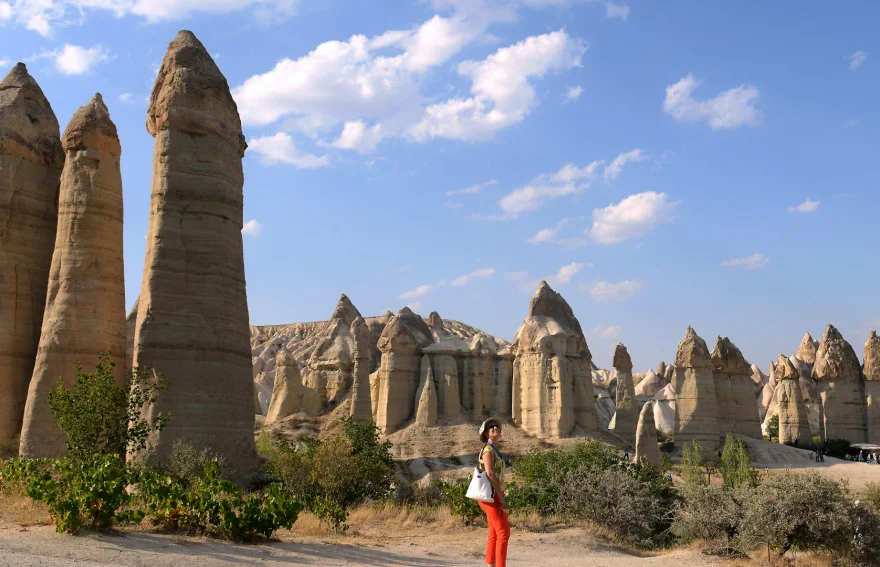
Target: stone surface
(807,350)
(648,387)
(287,393)
(647,449)
(841,388)
(446,374)
(361,405)
(31,159)
(426,395)
(626,415)
(192,323)
(696,399)
(552,370)
(664,411)
(328,376)
(737,412)
(85,305)
(793,424)
(872,386)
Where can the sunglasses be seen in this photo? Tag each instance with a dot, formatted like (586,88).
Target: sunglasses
(498,427)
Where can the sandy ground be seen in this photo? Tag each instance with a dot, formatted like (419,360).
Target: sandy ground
(40,546)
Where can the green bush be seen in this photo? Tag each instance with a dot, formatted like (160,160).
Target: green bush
(736,469)
(837,448)
(872,495)
(692,463)
(712,513)
(460,505)
(773,427)
(187,464)
(331,476)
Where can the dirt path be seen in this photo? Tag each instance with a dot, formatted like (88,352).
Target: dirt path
(40,546)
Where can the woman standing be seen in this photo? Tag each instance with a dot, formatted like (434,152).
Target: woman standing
(492,461)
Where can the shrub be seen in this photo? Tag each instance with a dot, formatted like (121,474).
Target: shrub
(872,495)
(100,417)
(187,464)
(736,469)
(838,448)
(712,513)
(773,427)
(460,505)
(692,465)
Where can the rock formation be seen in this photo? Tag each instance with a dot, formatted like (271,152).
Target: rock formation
(426,395)
(807,350)
(329,373)
(792,412)
(626,415)
(696,399)
(361,406)
(737,412)
(287,393)
(646,437)
(841,388)
(552,370)
(85,305)
(872,386)
(192,323)
(31,159)
(648,387)
(664,410)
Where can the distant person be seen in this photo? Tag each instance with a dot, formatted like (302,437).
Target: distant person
(796,441)
(626,454)
(492,461)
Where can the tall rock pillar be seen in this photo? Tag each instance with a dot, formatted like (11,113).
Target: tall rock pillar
(626,414)
(85,306)
(841,388)
(361,406)
(737,410)
(401,344)
(31,159)
(192,323)
(872,386)
(793,424)
(696,402)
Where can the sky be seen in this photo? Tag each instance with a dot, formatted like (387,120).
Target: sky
(660,164)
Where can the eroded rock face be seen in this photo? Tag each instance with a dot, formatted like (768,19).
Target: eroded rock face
(807,350)
(552,369)
(793,423)
(361,406)
(648,387)
(426,395)
(31,159)
(737,412)
(841,388)
(646,437)
(872,386)
(626,415)
(287,393)
(696,398)
(192,323)
(329,373)
(85,306)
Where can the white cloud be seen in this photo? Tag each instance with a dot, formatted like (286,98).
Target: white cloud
(752,262)
(76,60)
(619,11)
(501,88)
(567,181)
(252,228)
(126,97)
(613,169)
(4,63)
(730,109)
(5,12)
(476,188)
(808,206)
(281,149)
(544,235)
(856,59)
(418,292)
(603,332)
(635,216)
(573,93)
(567,272)
(614,291)
(476,274)
(356,135)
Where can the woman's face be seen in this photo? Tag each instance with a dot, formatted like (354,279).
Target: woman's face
(495,432)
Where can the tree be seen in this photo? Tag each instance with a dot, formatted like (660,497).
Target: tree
(773,427)
(736,469)
(692,464)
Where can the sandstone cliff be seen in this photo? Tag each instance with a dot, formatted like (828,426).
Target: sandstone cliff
(737,412)
(695,396)
(626,415)
(792,412)
(841,388)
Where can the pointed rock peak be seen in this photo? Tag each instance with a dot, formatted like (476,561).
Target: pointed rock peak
(831,334)
(728,359)
(661,368)
(835,358)
(434,320)
(405,311)
(388,315)
(621,360)
(28,127)
(872,357)
(91,127)
(18,77)
(345,311)
(548,303)
(284,358)
(405,331)
(360,332)
(132,313)
(192,95)
(807,349)
(692,351)
(785,370)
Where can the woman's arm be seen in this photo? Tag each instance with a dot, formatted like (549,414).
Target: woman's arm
(489,467)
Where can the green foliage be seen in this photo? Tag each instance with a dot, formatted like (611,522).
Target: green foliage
(692,463)
(665,464)
(773,427)
(736,469)
(333,475)
(712,513)
(837,448)
(460,505)
(872,495)
(187,464)
(100,417)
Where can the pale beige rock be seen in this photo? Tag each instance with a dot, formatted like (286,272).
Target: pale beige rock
(374,394)
(31,159)
(841,388)
(696,400)
(648,387)
(85,305)
(647,449)
(287,393)
(664,411)
(426,395)
(361,405)
(401,343)
(329,373)
(446,373)
(807,350)
(793,424)
(626,415)
(737,412)
(551,370)
(872,386)
(192,323)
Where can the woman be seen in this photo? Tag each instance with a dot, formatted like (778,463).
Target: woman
(492,461)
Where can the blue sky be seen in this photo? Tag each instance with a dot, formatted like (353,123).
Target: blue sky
(662,164)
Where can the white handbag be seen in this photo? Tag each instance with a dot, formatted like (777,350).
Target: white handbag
(480,489)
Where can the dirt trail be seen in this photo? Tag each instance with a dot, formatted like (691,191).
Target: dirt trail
(40,546)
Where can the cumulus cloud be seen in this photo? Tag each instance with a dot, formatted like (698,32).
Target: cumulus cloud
(420,291)
(613,169)
(856,59)
(548,235)
(808,206)
(752,262)
(126,97)
(356,135)
(635,216)
(76,60)
(280,148)
(459,281)
(567,272)
(252,228)
(573,93)
(619,11)
(569,180)
(476,274)
(605,332)
(614,291)
(730,109)
(470,190)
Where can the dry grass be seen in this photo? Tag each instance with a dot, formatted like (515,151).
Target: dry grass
(23,511)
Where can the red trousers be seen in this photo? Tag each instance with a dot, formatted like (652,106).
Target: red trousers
(499,533)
